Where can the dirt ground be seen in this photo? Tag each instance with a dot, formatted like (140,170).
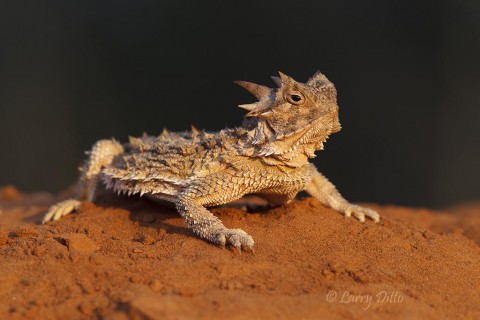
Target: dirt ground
(128,258)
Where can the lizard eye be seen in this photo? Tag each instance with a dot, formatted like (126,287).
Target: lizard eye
(295,98)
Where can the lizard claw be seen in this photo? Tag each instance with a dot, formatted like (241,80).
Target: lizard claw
(360,213)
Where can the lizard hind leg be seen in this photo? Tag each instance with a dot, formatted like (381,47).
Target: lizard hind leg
(101,155)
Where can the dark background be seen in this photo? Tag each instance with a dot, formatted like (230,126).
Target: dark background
(407,74)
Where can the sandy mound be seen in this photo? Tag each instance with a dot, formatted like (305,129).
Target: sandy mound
(129,258)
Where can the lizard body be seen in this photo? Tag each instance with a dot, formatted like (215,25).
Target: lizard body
(268,156)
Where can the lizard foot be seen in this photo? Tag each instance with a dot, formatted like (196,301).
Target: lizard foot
(360,212)
(237,238)
(61,209)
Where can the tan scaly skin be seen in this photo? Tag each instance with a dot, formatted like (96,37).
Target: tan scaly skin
(267,155)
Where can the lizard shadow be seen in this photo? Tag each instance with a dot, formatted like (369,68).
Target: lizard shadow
(164,216)
(147,213)
(154,214)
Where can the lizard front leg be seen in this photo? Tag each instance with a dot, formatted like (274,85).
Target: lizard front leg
(211,190)
(204,224)
(324,191)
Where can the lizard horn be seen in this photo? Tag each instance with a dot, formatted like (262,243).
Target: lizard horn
(284,79)
(248,107)
(317,80)
(260,92)
(277,81)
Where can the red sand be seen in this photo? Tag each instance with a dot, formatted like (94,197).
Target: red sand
(128,258)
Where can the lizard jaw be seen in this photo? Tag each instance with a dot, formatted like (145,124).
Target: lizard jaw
(315,136)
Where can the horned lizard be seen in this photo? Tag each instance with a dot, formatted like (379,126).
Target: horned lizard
(267,156)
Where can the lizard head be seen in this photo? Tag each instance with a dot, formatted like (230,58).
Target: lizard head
(295,118)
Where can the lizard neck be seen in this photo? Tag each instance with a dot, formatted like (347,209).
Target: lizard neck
(292,151)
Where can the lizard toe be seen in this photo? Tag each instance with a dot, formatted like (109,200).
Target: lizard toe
(348,213)
(221,239)
(372,214)
(61,209)
(361,213)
